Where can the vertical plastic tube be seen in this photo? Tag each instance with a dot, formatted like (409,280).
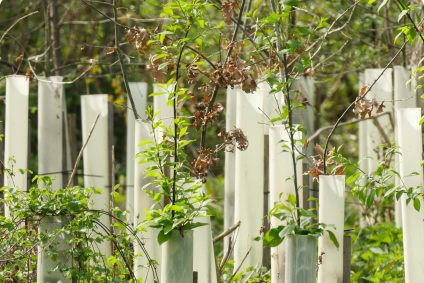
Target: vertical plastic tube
(50,162)
(404,98)
(230,157)
(301,259)
(362,135)
(381,91)
(139,94)
(143,132)
(203,253)
(50,130)
(177,255)
(96,158)
(272,103)
(409,138)
(331,212)
(160,105)
(16,133)
(249,180)
(305,88)
(281,185)
(362,151)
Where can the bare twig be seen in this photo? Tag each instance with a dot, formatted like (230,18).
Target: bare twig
(354,121)
(353,104)
(239,267)
(215,91)
(82,150)
(121,63)
(227,232)
(14,24)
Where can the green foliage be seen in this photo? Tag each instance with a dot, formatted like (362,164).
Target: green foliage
(30,225)
(377,255)
(171,180)
(247,275)
(296,221)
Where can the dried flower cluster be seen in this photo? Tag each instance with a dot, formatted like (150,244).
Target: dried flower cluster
(227,8)
(204,161)
(235,72)
(234,139)
(200,115)
(208,157)
(317,168)
(160,68)
(139,38)
(365,106)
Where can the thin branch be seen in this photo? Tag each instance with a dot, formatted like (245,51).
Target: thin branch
(353,104)
(14,24)
(323,129)
(121,63)
(241,263)
(215,91)
(226,233)
(175,115)
(201,55)
(82,150)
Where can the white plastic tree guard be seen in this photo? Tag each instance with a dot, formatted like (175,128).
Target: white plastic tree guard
(249,180)
(160,105)
(50,130)
(281,185)
(362,135)
(96,157)
(230,158)
(362,150)
(301,259)
(50,162)
(272,103)
(331,212)
(305,87)
(139,94)
(404,98)
(177,255)
(203,253)
(409,138)
(142,201)
(16,133)
(381,91)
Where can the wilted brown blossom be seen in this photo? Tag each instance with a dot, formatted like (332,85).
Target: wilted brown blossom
(192,73)
(380,108)
(200,116)
(317,168)
(234,138)
(227,9)
(363,106)
(201,165)
(139,37)
(310,72)
(235,72)
(158,70)
(19,58)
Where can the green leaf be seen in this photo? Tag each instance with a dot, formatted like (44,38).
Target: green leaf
(353,178)
(191,226)
(333,238)
(383,3)
(162,237)
(291,200)
(417,204)
(402,14)
(272,238)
